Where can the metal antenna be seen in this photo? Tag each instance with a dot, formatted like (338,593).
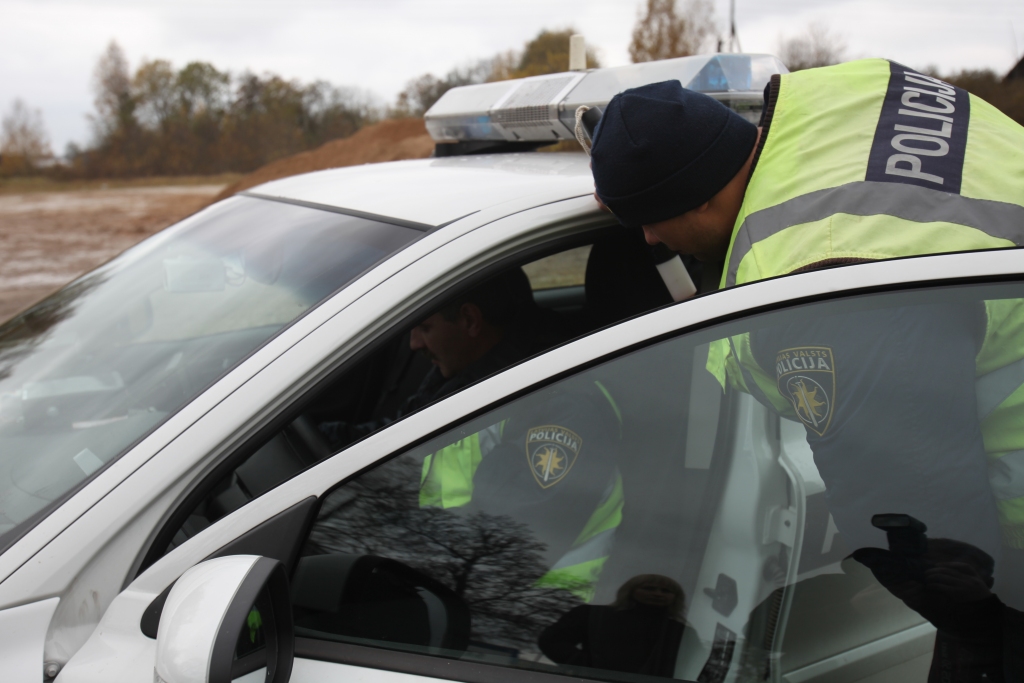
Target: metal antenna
(734,39)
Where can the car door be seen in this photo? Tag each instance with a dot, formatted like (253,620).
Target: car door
(631,517)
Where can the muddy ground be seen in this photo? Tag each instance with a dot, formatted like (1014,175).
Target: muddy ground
(49,238)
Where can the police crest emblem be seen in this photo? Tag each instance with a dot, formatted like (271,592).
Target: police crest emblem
(551,452)
(806,375)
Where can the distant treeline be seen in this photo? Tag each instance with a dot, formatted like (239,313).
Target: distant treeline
(1005,94)
(198,120)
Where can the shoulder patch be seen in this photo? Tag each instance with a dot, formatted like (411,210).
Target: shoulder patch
(806,375)
(551,451)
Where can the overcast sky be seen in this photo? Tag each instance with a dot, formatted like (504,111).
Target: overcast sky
(48,47)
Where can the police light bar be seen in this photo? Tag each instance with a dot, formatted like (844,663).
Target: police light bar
(542,109)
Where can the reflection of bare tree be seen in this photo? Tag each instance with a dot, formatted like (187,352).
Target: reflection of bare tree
(492,562)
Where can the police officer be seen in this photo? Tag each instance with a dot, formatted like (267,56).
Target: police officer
(863,161)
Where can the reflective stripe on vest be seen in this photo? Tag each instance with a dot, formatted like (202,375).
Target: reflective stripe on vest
(578,569)
(918,209)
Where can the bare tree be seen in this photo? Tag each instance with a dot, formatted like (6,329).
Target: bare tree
(548,53)
(422,92)
(503,65)
(24,144)
(112,84)
(154,87)
(662,32)
(816,46)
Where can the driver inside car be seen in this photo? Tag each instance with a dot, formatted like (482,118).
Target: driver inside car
(471,337)
(551,465)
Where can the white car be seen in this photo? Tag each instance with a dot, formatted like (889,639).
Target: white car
(171,509)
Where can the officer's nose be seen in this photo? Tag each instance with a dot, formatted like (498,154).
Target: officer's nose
(649,235)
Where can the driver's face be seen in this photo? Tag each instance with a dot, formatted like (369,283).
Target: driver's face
(448,343)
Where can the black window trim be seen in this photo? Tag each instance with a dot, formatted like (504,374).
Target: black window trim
(442,667)
(414,225)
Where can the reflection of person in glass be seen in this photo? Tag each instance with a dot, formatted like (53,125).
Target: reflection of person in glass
(639,633)
(948,583)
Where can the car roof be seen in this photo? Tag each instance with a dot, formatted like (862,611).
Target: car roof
(438,191)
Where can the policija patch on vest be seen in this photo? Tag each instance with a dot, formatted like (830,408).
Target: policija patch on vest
(551,451)
(806,375)
(922,132)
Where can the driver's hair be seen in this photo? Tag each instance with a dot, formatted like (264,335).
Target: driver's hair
(503,300)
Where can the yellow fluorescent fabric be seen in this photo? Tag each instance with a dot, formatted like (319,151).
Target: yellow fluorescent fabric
(868,237)
(988,174)
(809,200)
(805,128)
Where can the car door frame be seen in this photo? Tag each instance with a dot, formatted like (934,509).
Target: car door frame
(124,614)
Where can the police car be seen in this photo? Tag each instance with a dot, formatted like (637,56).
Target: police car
(171,510)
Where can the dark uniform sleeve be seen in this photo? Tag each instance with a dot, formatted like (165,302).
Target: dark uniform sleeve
(554,466)
(887,398)
(564,642)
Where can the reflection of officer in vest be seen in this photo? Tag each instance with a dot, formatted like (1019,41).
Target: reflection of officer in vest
(863,161)
(551,464)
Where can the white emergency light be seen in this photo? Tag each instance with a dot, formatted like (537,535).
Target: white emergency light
(542,108)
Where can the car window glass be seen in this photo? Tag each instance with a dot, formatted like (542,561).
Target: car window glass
(96,366)
(439,355)
(826,492)
(564,269)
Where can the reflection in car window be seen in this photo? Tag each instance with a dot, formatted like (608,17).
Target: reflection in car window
(463,338)
(825,491)
(96,366)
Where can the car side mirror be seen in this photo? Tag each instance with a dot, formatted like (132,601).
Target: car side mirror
(224,618)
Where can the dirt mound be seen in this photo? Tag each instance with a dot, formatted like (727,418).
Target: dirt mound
(385,141)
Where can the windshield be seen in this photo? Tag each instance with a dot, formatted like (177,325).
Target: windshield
(95,367)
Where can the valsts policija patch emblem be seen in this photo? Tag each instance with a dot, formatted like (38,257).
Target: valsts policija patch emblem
(551,451)
(806,375)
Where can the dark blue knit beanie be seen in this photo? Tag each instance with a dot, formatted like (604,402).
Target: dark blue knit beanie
(661,150)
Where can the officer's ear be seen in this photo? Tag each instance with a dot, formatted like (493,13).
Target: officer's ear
(702,208)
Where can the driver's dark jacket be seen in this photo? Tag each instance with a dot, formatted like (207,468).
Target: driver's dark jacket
(433,387)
